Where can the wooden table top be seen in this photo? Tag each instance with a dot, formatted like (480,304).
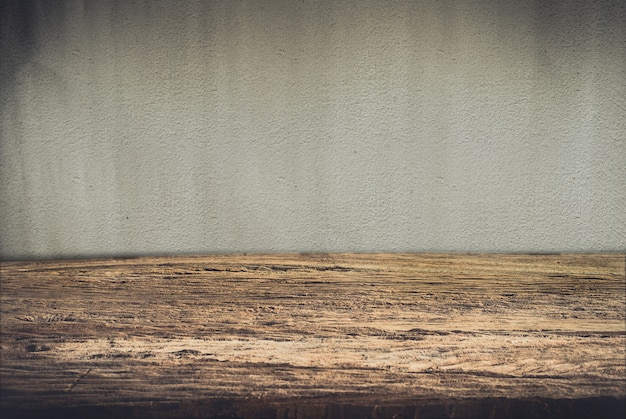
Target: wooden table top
(315,335)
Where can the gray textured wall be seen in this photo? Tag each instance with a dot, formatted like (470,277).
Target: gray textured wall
(223,126)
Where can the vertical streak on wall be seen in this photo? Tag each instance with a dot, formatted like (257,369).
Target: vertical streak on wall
(17,41)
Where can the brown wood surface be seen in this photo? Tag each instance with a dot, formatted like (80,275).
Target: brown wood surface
(315,335)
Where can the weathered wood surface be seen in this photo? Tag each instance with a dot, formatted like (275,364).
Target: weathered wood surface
(301,335)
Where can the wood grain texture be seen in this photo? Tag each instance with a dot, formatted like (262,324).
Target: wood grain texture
(274,335)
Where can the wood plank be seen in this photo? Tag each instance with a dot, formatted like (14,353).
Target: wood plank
(315,335)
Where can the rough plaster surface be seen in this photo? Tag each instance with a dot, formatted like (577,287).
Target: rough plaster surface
(144,127)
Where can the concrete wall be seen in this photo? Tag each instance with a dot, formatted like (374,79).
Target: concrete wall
(144,127)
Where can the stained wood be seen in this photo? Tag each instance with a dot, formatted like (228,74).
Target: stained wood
(318,334)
